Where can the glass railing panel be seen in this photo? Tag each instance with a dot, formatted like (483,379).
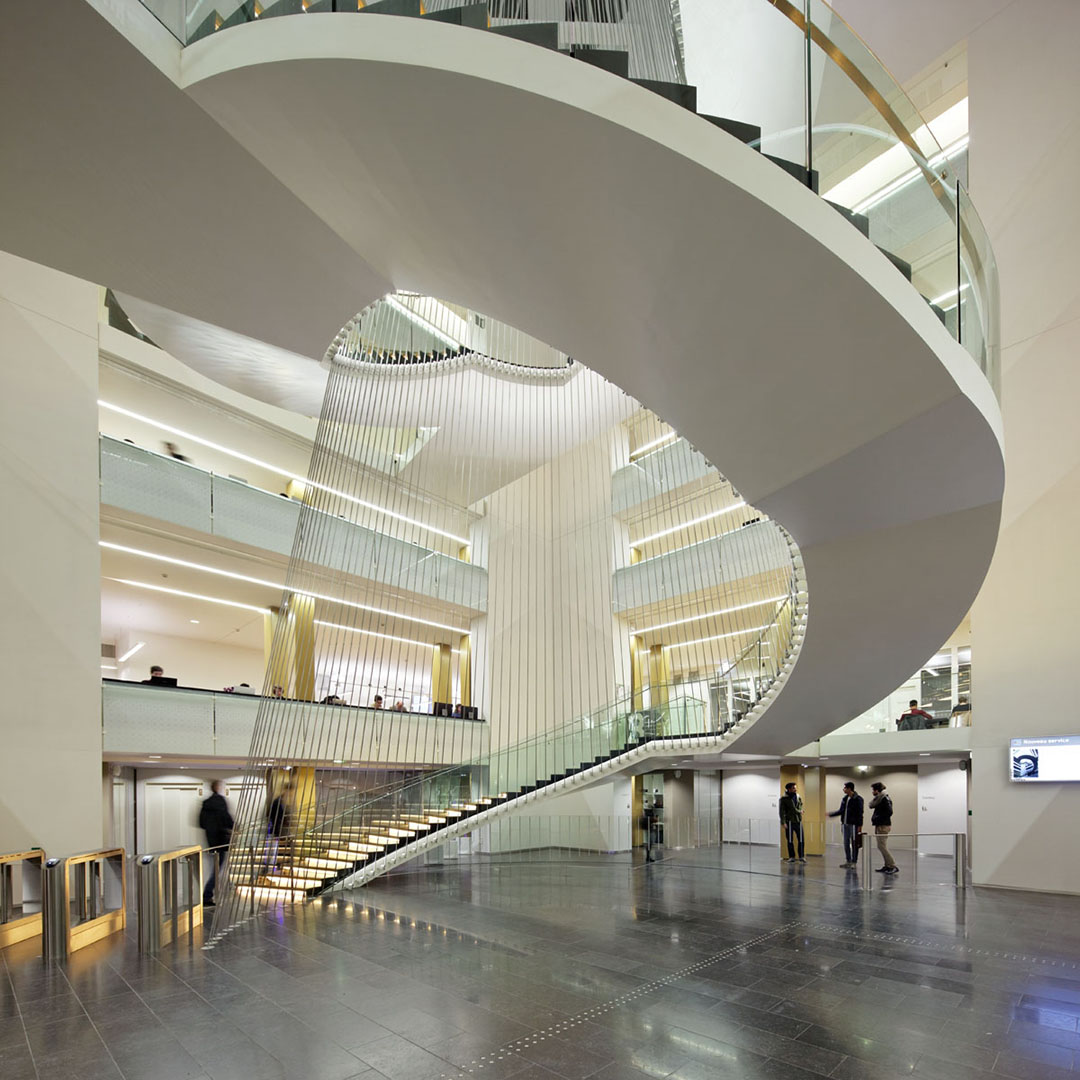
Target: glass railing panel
(878,160)
(155,720)
(251,516)
(157,486)
(978,299)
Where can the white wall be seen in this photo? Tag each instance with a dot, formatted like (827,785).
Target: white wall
(207,665)
(943,805)
(750,803)
(50,719)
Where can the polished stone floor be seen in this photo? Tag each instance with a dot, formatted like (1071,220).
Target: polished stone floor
(572,969)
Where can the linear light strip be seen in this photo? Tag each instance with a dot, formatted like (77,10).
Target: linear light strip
(951,293)
(131,652)
(376,633)
(649,447)
(720,637)
(287,473)
(712,614)
(687,524)
(189,595)
(276,585)
(424,324)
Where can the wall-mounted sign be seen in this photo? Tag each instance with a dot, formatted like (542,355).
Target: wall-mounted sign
(1048,758)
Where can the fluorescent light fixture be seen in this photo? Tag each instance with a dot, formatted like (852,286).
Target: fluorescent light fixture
(274,585)
(712,614)
(687,524)
(194,622)
(924,753)
(719,637)
(644,451)
(375,633)
(131,652)
(424,324)
(108,667)
(951,293)
(289,475)
(188,596)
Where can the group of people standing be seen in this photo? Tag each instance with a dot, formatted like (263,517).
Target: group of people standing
(851,814)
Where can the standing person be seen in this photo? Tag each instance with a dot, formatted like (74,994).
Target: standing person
(851,821)
(216,821)
(277,826)
(881,804)
(648,826)
(791,811)
(915,719)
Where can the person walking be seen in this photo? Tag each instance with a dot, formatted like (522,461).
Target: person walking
(216,821)
(791,812)
(277,826)
(851,821)
(881,819)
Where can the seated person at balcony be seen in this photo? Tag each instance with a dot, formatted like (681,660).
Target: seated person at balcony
(851,820)
(332,699)
(399,706)
(377,702)
(457,711)
(244,688)
(791,811)
(961,714)
(156,672)
(915,719)
(216,821)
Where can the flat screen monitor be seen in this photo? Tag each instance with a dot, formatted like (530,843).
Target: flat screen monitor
(1045,759)
(161,680)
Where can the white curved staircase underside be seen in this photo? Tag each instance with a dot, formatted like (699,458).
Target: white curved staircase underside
(561,199)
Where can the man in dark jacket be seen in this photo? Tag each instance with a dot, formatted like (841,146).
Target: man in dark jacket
(915,719)
(216,821)
(851,820)
(791,811)
(881,804)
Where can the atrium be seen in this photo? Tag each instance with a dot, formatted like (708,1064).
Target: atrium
(571,502)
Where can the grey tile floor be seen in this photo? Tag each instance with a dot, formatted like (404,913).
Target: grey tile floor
(586,968)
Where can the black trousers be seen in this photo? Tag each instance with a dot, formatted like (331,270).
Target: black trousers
(793,830)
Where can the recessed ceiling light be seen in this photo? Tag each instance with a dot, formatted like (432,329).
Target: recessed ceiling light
(925,754)
(108,667)
(194,622)
(187,596)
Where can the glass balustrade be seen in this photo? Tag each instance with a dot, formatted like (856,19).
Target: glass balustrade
(788,77)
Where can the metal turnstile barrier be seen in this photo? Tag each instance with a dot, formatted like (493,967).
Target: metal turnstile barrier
(169,889)
(20,895)
(84,900)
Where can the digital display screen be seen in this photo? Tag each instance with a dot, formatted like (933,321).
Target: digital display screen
(1048,758)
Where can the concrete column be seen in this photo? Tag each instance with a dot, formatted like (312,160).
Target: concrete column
(51,569)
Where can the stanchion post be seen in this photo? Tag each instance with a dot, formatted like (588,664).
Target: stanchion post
(960,859)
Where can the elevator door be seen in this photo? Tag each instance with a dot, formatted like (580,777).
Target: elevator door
(172,816)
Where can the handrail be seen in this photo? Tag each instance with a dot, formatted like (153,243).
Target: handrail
(162,913)
(93,907)
(28,923)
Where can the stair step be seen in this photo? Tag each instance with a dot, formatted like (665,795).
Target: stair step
(613,60)
(408,8)
(282,881)
(325,863)
(546,35)
(474,16)
(747,133)
(272,892)
(900,264)
(860,221)
(686,96)
(798,171)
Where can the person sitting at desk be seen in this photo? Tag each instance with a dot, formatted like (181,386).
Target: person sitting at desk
(961,714)
(156,672)
(915,719)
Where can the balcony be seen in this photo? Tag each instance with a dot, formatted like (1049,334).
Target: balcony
(141,720)
(151,485)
